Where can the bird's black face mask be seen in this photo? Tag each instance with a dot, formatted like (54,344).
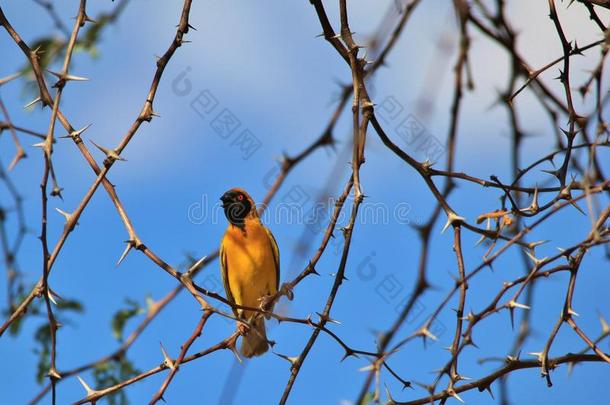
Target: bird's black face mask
(236,206)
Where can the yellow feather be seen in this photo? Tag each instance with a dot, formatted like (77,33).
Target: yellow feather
(249,259)
(250,264)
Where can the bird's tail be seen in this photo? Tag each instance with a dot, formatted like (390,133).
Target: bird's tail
(255,342)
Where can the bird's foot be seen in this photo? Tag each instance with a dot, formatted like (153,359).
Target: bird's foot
(266,303)
(287,291)
(242,328)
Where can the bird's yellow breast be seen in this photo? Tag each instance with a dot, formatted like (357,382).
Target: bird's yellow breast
(250,264)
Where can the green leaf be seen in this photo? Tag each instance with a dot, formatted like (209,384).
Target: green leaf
(120,318)
(112,373)
(70,305)
(42,336)
(33,309)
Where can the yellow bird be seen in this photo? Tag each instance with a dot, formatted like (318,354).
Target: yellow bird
(250,265)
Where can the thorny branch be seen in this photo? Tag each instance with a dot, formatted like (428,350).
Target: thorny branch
(509,226)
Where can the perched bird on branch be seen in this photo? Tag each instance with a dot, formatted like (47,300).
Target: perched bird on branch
(250,266)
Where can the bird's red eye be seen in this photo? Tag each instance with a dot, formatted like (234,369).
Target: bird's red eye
(240,197)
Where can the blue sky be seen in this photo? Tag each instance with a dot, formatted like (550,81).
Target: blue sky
(263,63)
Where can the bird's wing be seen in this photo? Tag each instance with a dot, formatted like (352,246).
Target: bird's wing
(276,257)
(224,267)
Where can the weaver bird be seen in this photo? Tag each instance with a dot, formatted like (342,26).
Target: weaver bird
(250,266)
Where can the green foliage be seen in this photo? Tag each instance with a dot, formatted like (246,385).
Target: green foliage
(369,399)
(51,49)
(33,309)
(114,372)
(43,350)
(70,305)
(42,337)
(120,318)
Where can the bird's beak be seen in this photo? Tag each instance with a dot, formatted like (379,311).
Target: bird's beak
(226,198)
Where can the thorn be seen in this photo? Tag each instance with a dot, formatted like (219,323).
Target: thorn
(425,332)
(566,133)
(37,50)
(129,246)
(348,353)
(533,208)
(76,78)
(147,112)
(513,304)
(31,103)
(76,134)
(111,154)
(291,360)
(86,386)
(568,196)
(538,355)
(328,319)
(235,352)
(64,214)
(66,77)
(56,192)
(455,395)
(166,359)
(89,19)
(389,395)
(370,367)
(51,298)
(561,77)
(469,317)
(7,79)
(533,245)
(471,342)
(53,374)
(537,262)
(451,218)
(195,266)
(553,173)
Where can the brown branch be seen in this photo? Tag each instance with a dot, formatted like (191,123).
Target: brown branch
(176,364)
(95,395)
(146,114)
(512,365)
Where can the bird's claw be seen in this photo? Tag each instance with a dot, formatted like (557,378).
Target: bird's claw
(242,328)
(266,302)
(287,291)
(266,305)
